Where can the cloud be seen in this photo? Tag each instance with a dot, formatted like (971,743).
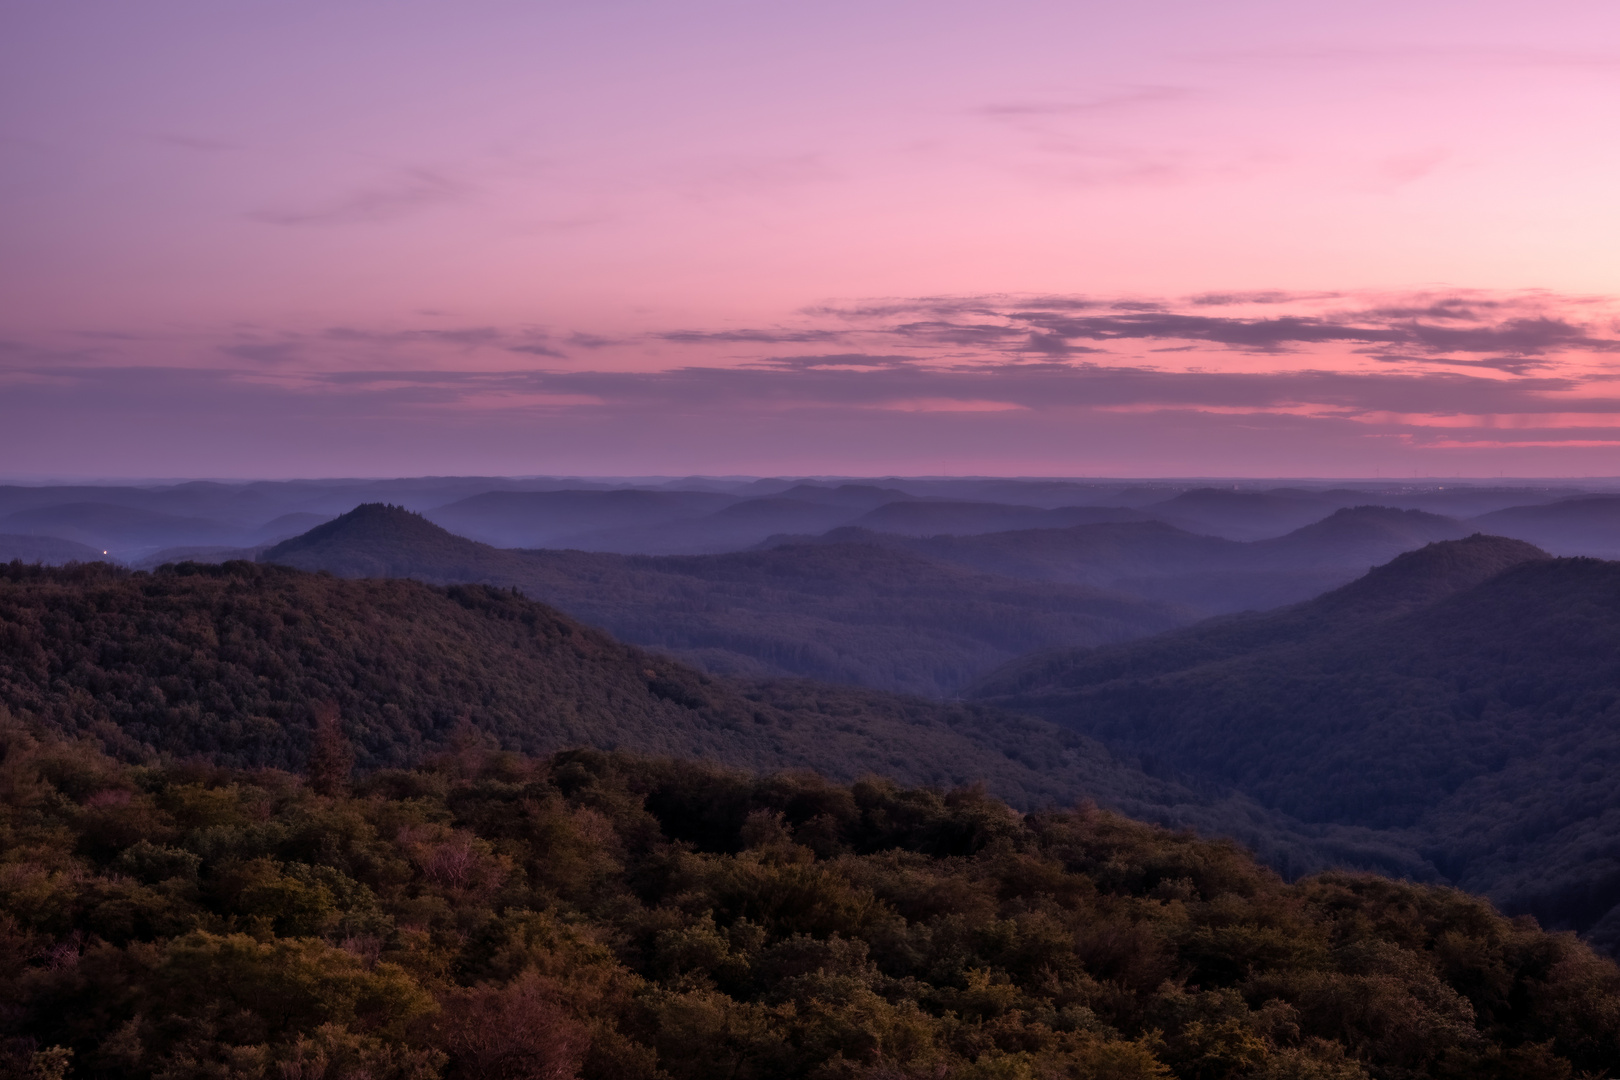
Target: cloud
(476,335)
(1061,386)
(528,340)
(1263,296)
(1515,329)
(581,340)
(752,337)
(270,352)
(838,361)
(848,412)
(411,191)
(1518,336)
(1479,370)
(987,335)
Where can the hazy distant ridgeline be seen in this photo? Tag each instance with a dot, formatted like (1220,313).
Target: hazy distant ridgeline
(50,550)
(1585,526)
(1207,574)
(144,525)
(694,522)
(703,522)
(907,614)
(911,614)
(1464,695)
(854,613)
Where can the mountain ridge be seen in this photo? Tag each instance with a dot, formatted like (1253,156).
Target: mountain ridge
(868,614)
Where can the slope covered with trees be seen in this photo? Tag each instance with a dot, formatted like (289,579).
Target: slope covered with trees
(604,916)
(1463,696)
(235,662)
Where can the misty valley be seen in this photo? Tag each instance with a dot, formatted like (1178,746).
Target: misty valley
(883,777)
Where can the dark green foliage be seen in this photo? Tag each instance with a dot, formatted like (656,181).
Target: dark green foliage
(1462,696)
(606,916)
(855,613)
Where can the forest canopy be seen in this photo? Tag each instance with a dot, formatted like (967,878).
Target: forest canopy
(602,915)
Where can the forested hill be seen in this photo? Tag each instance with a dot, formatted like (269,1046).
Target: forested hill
(852,613)
(232,662)
(601,916)
(1465,695)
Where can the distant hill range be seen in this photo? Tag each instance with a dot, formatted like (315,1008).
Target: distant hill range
(853,613)
(707,522)
(694,522)
(1157,561)
(1465,696)
(147,524)
(1586,526)
(913,614)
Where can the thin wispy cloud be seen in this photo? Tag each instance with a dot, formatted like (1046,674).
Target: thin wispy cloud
(411,191)
(270,352)
(748,337)
(1518,330)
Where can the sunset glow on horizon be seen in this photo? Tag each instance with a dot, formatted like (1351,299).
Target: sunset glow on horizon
(353,238)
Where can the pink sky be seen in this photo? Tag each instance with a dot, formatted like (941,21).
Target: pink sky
(288,238)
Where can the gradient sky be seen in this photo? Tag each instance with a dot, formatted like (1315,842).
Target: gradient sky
(243,238)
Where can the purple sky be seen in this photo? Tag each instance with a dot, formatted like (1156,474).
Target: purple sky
(251,238)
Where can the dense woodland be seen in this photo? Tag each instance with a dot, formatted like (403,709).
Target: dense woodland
(231,660)
(600,915)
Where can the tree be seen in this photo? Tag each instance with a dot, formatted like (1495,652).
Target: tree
(331,756)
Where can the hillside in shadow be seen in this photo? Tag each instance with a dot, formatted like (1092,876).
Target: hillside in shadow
(1462,695)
